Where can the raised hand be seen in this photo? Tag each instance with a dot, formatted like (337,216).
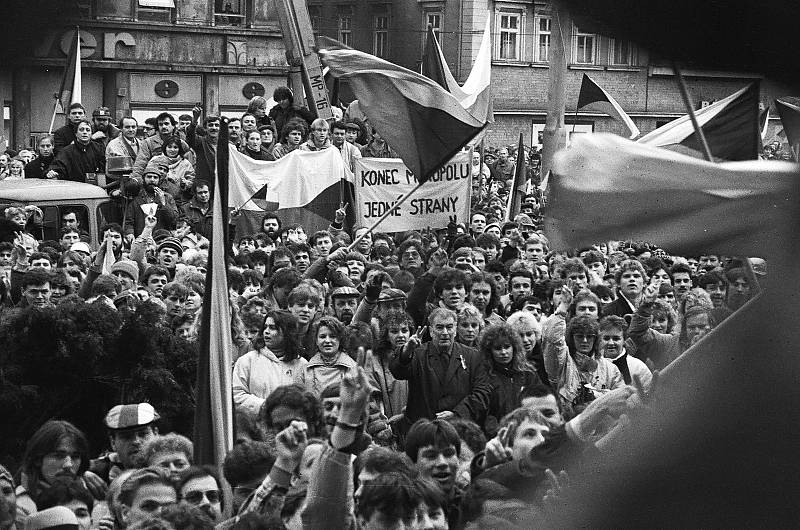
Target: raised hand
(290,445)
(341,213)
(354,395)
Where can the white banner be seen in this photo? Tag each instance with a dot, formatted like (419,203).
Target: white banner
(380,182)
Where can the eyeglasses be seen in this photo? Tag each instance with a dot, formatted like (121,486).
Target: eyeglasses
(196,497)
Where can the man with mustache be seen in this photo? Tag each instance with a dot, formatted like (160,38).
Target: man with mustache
(130,427)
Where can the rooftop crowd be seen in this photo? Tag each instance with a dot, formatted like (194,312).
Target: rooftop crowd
(452,378)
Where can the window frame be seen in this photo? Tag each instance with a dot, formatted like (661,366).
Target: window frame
(159,14)
(241,16)
(576,36)
(342,15)
(612,55)
(380,31)
(519,47)
(437,31)
(538,33)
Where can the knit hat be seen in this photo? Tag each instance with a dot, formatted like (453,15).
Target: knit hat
(128,267)
(57,517)
(152,167)
(161,234)
(131,416)
(345,292)
(491,225)
(391,294)
(171,242)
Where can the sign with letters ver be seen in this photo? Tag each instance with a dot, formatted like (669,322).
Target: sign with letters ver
(381,182)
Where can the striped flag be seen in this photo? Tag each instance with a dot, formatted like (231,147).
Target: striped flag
(424,123)
(606,187)
(730,126)
(213,418)
(594,98)
(790,118)
(433,63)
(108,257)
(70,91)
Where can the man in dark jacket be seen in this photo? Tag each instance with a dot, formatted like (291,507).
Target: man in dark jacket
(204,146)
(80,157)
(63,136)
(285,109)
(166,210)
(38,167)
(445,379)
(197,211)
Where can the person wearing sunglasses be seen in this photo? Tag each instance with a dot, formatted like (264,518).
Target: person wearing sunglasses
(200,486)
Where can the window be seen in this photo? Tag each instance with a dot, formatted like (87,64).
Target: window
(380,40)
(155,10)
(543,25)
(346,25)
(229,12)
(434,20)
(314,12)
(584,47)
(510,38)
(622,52)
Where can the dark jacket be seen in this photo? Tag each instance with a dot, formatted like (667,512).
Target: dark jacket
(619,307)
(38,167)
(76,160)
(199,221)
(167,214)
(63,136)
(507,386)
(206,150)
(282,116)
(258,155)
(464,389)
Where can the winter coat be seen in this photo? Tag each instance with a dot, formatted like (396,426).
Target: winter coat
(507,386)
(76,160)
(179,169)
(38,167)
(199,221)
(394,393)
(149,148)
(464,389)
(257,373)
(167,214)
(205,148)
(63,136)
(318,375)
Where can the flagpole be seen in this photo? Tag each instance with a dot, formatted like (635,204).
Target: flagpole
(385,215)
(687,101)
(53,119)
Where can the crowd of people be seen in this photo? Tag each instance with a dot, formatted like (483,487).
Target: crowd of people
(449,378)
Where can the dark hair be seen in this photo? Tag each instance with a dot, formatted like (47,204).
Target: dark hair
(392,494)
(247,461)
(288,324)
(184,516)
(451,278)
(293,125)
(281,93)
(114,227)
(296,397)
(286,277)
(200,471)
(174,139)
(572,265)
(487,240)
(581,324)
(199,183)
(470,433)
(537,390)
(76,105)
(613,321)
(593,256)
(438,433)
(44,441)
(339,125)
(336,327)
(166,115)
(382,460)
(680,267)
(154,270)
(110,286)
(62,491)
(271,215)
(35,276)
(40,255)
(521,272)
(710,277)
(151,122)
(209,119)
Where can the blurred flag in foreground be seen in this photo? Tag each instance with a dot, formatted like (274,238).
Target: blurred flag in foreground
(606,187)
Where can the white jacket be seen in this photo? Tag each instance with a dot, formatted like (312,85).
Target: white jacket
(257,373)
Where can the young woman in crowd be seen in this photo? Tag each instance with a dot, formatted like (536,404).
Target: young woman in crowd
(180,172)
(330,363)
(275,362)
(396,330)
(509,371)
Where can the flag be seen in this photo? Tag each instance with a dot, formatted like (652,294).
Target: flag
(592,97)
(790,118)
(520,182)
(730,126)
(424,123)
(213,418)
(763,120)
(70,91)
(305,187)
(108,257)
(433,63)
(606,187)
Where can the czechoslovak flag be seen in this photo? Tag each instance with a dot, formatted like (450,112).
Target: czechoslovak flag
(593,97)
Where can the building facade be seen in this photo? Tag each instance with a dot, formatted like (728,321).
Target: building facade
(140,57)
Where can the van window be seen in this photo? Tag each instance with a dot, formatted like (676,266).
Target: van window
(67,213)
(108,212)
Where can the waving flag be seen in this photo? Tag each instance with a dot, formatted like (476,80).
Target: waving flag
(730,126)
(433,63)
(70,91)
(593,97)
(305,187)
(213,418)
(420,120)
(606,187)
(790,118)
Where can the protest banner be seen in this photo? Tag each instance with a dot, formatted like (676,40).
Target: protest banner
(380,182)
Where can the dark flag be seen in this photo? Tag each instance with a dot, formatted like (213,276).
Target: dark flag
(70,90)
(520,182)
(730,126)
(593,97)
(432,66)
(213,418)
